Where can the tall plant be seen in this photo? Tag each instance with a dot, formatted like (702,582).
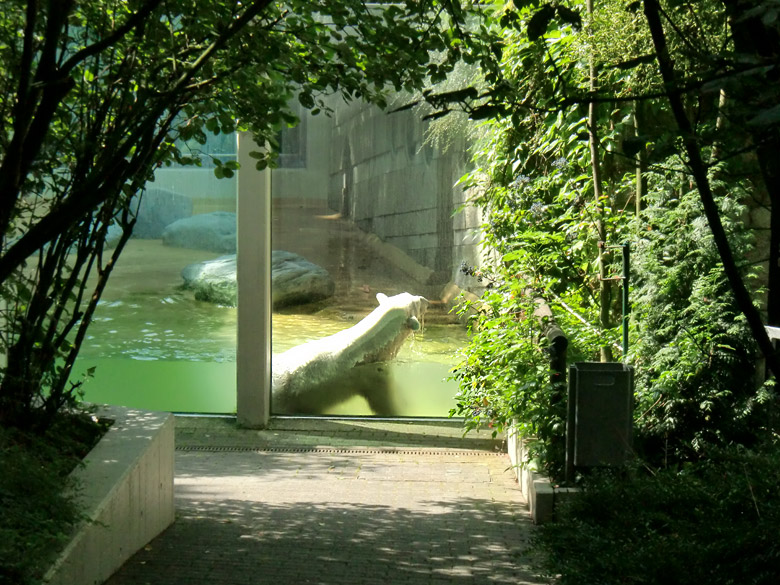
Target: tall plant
(539,170)
(697,383)
(553,191)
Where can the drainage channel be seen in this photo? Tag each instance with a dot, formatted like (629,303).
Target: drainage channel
(339,450)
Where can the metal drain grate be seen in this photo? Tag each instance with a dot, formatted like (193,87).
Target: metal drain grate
(337,450)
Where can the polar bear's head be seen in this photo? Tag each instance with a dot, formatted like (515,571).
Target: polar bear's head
(413,305)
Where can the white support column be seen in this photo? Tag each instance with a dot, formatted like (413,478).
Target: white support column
(253,367)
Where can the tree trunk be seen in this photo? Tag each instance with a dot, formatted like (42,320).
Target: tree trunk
(605,286)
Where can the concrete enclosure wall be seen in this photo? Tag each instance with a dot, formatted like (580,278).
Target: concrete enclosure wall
(390,183)
(199,184)
(375,169)
(303,174)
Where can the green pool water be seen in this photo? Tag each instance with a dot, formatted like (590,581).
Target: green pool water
(177,354)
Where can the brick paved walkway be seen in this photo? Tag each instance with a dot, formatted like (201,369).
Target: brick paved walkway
(338,503)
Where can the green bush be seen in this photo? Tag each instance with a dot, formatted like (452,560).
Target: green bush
(504,375)
(695,357)
(715,523)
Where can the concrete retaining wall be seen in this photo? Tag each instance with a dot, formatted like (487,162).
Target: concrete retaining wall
(126,493)
(539,492)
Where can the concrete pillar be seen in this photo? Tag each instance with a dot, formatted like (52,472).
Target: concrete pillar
(253,367)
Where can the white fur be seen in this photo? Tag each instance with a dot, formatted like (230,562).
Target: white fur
(311,376)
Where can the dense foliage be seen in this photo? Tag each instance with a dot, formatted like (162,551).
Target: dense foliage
(698,381)
(668,141)
(715,522)
(545,222)
(583,157)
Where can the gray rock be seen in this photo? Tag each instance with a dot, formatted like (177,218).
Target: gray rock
(295,280)
(113,236)
(213,281)
(159,207)
(215,232)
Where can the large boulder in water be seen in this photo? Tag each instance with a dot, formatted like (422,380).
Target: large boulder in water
(295,280)
(213,280)
(159,207)
(215,232)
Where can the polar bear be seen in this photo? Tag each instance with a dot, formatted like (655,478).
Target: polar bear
(320,373)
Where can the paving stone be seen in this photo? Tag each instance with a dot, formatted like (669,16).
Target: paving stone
(419,515)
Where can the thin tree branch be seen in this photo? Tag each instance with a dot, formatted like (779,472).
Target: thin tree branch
(95,48)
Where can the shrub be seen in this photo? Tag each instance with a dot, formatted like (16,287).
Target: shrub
(695,357)
(36,515)
(714,522)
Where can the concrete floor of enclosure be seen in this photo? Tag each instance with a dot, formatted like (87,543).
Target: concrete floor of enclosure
(341,502)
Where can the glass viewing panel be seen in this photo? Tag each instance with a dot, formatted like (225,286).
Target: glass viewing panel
(153,344)
(359,196)
(366,204)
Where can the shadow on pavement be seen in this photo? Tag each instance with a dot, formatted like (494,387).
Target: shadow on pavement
(311,432)
(237,541)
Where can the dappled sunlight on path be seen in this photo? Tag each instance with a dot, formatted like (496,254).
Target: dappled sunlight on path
(350,515)
(342,502)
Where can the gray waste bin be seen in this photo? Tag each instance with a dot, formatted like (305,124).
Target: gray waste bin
(599,422)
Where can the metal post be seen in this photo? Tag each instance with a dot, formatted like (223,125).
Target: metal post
(626,304)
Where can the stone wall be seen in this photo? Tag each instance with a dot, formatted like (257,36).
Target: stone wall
(390,183)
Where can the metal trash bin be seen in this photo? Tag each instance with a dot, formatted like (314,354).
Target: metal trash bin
(600,419)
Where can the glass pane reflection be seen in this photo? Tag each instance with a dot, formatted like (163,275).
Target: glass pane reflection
(153,344)
(374,208)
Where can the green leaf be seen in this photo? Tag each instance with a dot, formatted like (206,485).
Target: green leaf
(537,25)
(306,100)
(212,125)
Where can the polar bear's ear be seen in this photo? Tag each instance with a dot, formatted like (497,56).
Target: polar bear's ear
(381,297)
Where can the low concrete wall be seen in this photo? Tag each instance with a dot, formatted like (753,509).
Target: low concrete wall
(126,490)
(539,492)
